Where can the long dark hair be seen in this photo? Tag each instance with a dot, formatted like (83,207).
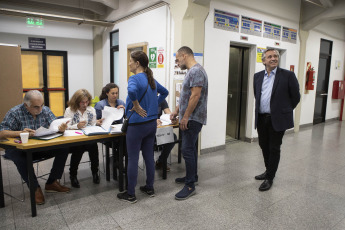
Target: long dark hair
(142,58)
(106,90)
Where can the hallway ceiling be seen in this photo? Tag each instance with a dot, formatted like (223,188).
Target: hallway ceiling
(314,12)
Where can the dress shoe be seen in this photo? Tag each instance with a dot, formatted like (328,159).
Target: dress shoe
(261,176)
(74,182)
(266,185)
(96,178)
(56,187)
(39,197)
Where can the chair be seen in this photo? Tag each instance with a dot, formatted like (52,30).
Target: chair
(22,181)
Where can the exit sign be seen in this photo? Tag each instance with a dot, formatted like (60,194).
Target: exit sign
(34,22)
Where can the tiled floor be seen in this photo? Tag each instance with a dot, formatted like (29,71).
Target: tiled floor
(308,192)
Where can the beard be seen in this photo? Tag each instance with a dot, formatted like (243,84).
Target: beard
(183,67)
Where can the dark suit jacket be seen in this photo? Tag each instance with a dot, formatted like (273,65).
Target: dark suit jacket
(285,97)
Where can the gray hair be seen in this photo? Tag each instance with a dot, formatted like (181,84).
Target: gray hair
(264,53)
(30,95)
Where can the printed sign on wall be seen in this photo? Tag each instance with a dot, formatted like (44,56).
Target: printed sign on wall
(226,21)
(153,57)
(251,26)
(37,43)
(289,35)
(160,57)
(272,31)
(259,52)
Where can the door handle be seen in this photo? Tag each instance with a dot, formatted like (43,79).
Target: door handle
(230,95)
(323,94)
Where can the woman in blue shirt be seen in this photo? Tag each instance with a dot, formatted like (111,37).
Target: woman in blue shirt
(109,97)
(142,123)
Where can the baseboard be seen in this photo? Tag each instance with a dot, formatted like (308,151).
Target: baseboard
(212,149)
(332,119)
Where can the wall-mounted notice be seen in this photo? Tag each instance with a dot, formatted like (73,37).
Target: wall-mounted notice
(226,21)
(153,57)
(272,31)
(289,35)
(251,26)
(259,52)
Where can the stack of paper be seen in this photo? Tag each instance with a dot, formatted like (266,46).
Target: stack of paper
(47,134)
(110,115)
(165,119)
(116,129)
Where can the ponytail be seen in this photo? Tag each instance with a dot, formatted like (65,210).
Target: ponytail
(150,78)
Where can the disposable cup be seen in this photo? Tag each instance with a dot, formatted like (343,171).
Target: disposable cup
(24,137)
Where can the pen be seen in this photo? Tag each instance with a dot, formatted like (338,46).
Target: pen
(78,133)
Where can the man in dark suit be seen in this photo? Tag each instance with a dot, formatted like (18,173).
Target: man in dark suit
(276,92)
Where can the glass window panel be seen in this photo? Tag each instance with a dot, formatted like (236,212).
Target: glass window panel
(56,102)
(32,70)
(115,39)
(55,72)
(116,67)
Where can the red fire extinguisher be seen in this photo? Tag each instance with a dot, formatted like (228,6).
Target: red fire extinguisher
(309,85)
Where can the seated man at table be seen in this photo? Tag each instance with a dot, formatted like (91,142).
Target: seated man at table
(27,117)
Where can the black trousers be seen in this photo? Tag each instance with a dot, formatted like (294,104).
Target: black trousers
(270,142)
(77,154)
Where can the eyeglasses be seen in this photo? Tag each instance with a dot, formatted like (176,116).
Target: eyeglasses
(36,106)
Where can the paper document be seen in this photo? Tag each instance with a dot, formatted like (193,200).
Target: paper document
(71,133)
(53,128)
(110,115)
(94,130)
(165,119)
(116,129)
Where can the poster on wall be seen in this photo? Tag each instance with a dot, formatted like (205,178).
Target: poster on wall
(251,26)
(259,52)
(160,57)
(153,57)
(272,31)
(178,73)
(226,21)
(289,35)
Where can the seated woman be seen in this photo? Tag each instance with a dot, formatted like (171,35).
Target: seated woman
(82,115)
(109,97)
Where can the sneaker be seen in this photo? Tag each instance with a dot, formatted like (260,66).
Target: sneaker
(126,197)
(185,193)
(148,191)
(159,165)
(182,180)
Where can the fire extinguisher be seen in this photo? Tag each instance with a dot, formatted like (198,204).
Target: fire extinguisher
(309,85)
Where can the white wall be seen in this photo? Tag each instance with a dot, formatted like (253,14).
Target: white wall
(216,60)
(76,40)
(334,32)
(152,27)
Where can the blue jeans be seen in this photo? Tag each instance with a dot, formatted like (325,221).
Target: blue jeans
(190,151)
(140,137)
(19,159)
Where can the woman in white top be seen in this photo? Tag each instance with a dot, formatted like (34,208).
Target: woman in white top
(82,115)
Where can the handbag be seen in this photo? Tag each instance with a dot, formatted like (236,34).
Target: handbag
(126,119)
